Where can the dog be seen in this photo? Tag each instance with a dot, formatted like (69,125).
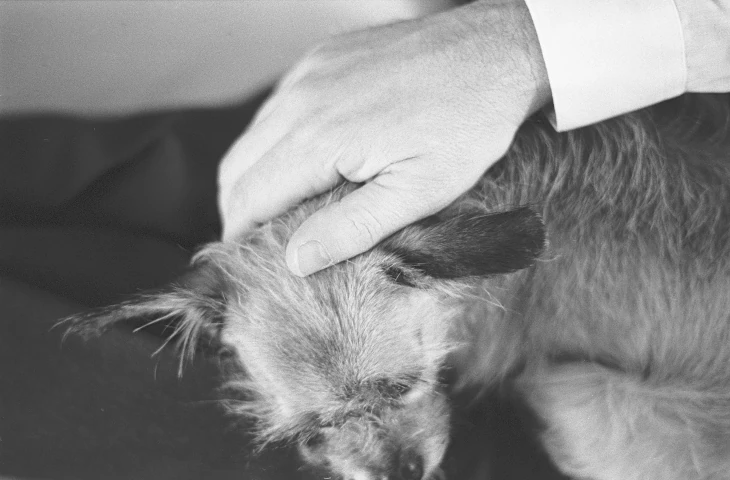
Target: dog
(589,270)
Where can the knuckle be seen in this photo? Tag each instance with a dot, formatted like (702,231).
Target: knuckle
(367,225)
(313,61)
(316,56)
(272,105)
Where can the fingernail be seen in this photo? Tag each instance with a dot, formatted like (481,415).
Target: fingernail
(312,257)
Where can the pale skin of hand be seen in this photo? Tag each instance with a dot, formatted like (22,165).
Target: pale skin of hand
(417,111)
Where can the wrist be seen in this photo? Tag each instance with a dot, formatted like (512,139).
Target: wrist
(506,33)
(534,58)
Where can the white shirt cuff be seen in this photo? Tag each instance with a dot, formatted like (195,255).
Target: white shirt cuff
(609,57)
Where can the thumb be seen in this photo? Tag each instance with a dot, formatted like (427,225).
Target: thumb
(359,221)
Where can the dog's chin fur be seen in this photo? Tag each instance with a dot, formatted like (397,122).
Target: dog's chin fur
(616,331)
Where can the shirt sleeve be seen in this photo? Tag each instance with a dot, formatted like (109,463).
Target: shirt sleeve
(609,57)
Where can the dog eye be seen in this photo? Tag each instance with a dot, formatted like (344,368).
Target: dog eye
(402,388)
(395,390)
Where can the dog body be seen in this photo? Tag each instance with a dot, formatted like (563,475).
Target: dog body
(617,333)
(623,329)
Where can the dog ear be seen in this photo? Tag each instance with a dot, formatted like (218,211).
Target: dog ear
(471,244)
(189,310)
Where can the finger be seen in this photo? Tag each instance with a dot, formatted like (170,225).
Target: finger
(365,217)
(250,147)
(308,161)
(274,184)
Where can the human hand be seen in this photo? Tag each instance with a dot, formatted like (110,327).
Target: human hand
(417,111)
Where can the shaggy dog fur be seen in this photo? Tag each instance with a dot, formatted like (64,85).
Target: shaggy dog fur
(616,331)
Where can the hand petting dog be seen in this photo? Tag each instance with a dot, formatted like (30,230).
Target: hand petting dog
(416,111)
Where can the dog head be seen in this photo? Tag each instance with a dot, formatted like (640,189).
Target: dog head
(345,363)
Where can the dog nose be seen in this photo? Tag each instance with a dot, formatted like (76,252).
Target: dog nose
(410,466)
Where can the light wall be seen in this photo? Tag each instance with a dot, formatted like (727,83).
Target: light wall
(116,57)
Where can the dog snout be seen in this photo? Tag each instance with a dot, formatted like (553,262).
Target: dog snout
(409,467)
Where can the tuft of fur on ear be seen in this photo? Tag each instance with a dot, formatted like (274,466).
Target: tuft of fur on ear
(190,309)
(471,244)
